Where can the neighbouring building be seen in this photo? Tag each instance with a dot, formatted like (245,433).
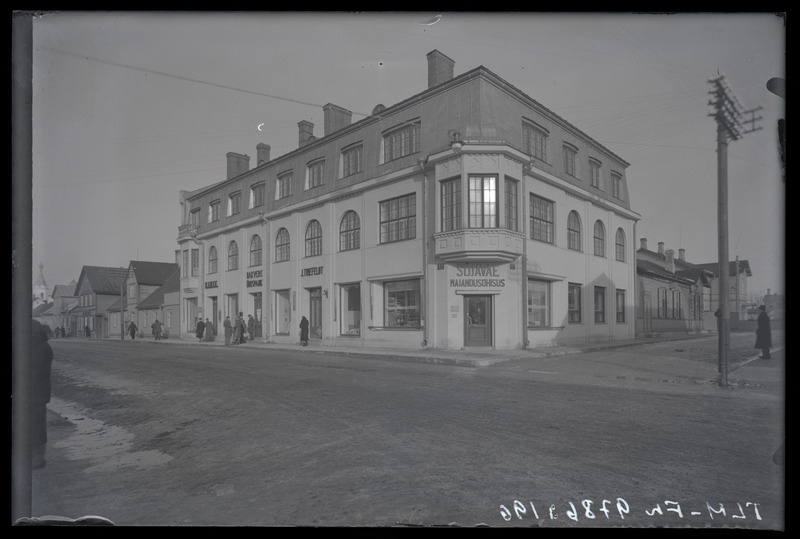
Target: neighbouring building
(97,289)
(163,305)
(738,298)
(671,293)
(466,216)
(63,298)
(143,279)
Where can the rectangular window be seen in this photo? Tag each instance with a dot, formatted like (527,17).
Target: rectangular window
(542,227)
(315,172)
(213,211)
(283,312)
(402,303)
(168,323)
(398,218)
(569,160)
(511,208)
(351,309)
(620,306)
(538,303)
(234,204)
(534,141)
(351,161)
(257,195)
(483,202)
(401,142)
(599,305)
(676,305)
(283,186)
(594,168)
(662,302)
(185,265)
(451,204)
(616,185)
(574,303)
(195,262)
(232,305)
(194,217)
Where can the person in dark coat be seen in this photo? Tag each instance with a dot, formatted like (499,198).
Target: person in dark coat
(132,330)
(304,331)
(763,333)
(87,331)
(41,365)
(156,327)
(208,331)
(251,326)
(228,330)
(199,330)
(239,329)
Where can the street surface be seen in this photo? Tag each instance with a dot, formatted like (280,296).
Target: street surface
(153,434)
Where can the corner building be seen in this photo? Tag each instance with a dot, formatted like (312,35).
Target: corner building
(466,216)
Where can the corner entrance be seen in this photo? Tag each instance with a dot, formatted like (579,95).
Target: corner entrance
(477,320)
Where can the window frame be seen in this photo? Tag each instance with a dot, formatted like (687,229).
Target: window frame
(619,245)
(547,303)
(479,219)
(234,203)
(394,145)
(212,268)
(233,255)
(616,185)
(407,223)
(574,309)
(545,224)
(416,307)
(257,191)
(313,243)
(350,231)
(195,256)
(594,173)
(570,159)
(574,232)
(450,204)
(599,240)
(283,185)
(352,155)
(315,174)
(258,252)
(213,211)
(282,248)
(600,306)
(511,203)
(536,145)
(620,295)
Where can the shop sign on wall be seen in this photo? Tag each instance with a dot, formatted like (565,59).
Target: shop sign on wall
(476,275)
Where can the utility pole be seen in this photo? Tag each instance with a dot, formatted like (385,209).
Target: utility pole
(730,117)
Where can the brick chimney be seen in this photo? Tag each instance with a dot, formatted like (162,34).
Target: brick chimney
(644,243)
(440,68)
(335,118)
(661,247)
(306,129)
(682,255)
(262,153)
(237,164)
(670,262)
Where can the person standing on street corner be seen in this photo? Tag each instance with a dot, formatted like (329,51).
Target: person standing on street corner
(41,365)
(251,326)
(132,329)
(198,332)
(304,331)
(763,333)
(87,331)
(228,330)
(156,330)
(209,331)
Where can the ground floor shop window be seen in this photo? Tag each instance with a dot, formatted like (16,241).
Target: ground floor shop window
(538,303)
(283,312)
(402,305)
(574,303)
(620,306)
(350,309)
(599,305)
(232,305)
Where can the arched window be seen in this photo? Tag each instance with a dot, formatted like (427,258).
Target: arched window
(574,231)
(282,246)
(255,250)
(233,256)
(313,238)
(212,259)
(599,239)
(620,245)
(350,231)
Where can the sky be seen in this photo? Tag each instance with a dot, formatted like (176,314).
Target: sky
(129,108)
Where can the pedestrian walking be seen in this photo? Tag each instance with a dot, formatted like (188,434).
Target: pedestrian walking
(239,329)
(157,329)
(251,326)
(198,332)
(62,332)
(57,332)
(208,334)
(763,333)
(87,331)
(228,330)
(304,331)
(41,366)
(132,329)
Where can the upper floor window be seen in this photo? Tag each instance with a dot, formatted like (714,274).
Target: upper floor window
(351,160)
(599,239)
(213,211)
(315,174)
(401,142)
(619,244)
(511,207)
(451,204)
(350,231)
(574,231)
(570,153)
(255,250)
(185,265)
(212,260)
(257,195)
(195,262)
(398,218)
(233,256)
(616,185)
(594,173)
(483,201)
(282,245)
(534,140)
(132,292)
(313,238)
(234,203)
(194,217)
(542,219)
(620,306)
(283,186)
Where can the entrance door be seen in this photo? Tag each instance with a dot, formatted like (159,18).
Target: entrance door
(315,313)
(477,320)
(257,313)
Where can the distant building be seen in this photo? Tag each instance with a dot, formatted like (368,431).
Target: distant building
(41,294)
(98,288)
(738,298)
(162,304)
(466,216)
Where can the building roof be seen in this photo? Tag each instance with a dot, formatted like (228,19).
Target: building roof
(103,280)
(41,309)
(64,290)
(744,267)
(152,273)
(114,307)
(156,299)
(653,268)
